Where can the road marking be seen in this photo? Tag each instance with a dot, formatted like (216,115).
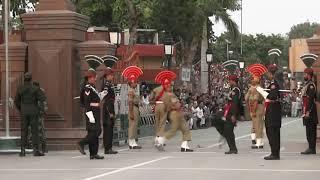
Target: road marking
(126,168)
(281,149)
(248,135)
(230,169)
(76,157)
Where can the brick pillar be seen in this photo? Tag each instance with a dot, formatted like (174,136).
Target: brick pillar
(52,32)
(314,48)
(17,58)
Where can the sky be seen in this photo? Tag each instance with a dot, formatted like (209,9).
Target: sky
(273,16)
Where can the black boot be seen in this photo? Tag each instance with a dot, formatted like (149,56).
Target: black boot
(81,148)
(37,153)
(96,157)
(186,150)
(232,152)
(110,151)
(272,157)
(22,153)
(309,151)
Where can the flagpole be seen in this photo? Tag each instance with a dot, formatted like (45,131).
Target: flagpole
(7,65)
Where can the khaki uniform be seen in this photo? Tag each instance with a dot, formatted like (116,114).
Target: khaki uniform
(176,118)
(160,110)
(255,102)
(133,123)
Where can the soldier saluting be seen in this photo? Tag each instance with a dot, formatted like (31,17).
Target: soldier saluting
(29,101)
(310,119)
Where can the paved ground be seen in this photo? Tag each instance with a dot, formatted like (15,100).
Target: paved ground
(206,163)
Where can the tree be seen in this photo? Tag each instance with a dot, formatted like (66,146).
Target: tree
(185,20)
(255,48)
(303,30)
(99,11)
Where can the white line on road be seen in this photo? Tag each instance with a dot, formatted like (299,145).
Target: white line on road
(126,168)
(248,135)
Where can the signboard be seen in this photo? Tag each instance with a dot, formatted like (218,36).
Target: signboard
(186,74)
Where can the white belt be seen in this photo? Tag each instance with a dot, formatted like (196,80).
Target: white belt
(94,104)
(159,102)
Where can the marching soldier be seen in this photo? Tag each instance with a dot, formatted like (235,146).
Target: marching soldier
(108,112)
(175,112)
(92,111)
(27,101)
(156,98)
(132,73)
(255,102)
(231,114)
(310,119)
(272,114)
(93,62)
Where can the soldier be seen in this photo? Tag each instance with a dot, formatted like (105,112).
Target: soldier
(255,102)
(92,111)
(108,112)
(42,132)
(156,98)
(132,73)
(231,114)
(310,119)
(175,112)
(93,62)
(272,113)
(27,102)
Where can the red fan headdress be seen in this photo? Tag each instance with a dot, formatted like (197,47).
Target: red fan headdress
(132,73)
(165,77)
(257,70)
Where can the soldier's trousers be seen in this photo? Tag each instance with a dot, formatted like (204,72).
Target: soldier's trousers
(93,141)
(108,132)
(229,135)
(133,124)
(273,134)
(311,132)
(258,125)
(178,123)
(29,120)
(160,119)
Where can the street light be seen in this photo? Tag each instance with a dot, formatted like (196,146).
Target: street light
(228,42)
(209,61)
(241,65)
(115,35)
(168,50)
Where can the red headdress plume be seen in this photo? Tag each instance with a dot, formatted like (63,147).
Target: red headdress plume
(257,70)
(132,73)
(165,77)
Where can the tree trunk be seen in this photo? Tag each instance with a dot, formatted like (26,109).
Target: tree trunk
(133,26)
(204,64)
(189,49)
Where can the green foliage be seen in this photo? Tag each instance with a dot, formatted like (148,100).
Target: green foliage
(18,7)
(303,30)
(255,48)
(99,11)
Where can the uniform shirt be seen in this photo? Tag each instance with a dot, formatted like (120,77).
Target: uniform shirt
(91,95)
(309,105)
(273,107)
(109,97)
(234,101)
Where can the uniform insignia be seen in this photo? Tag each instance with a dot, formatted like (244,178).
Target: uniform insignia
(87,93)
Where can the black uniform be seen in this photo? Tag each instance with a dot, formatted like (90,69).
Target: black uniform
(273,118)
(108,109)
(225,128)
(309,97)
(234,101)
(91,97)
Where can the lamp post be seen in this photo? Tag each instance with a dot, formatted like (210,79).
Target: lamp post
(241,66)
(209,61)
(168,50)
(228,42)
(115,36)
